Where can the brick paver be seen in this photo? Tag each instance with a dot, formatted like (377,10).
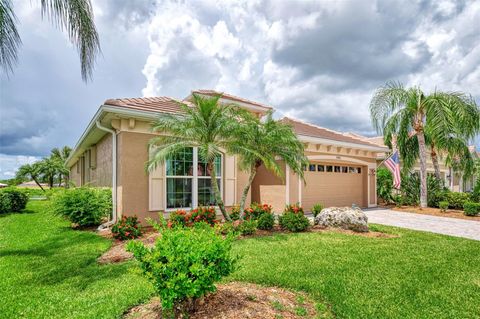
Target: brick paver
(435,224)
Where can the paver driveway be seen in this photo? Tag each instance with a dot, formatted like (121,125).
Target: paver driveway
(441,225)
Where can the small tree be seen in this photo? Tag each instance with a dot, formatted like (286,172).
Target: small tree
(266,143)
(30,172)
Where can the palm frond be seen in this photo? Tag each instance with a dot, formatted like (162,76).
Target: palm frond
(9,37)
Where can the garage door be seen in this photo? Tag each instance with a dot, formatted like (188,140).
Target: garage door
(334,184)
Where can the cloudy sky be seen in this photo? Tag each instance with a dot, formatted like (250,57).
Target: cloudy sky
(319,61)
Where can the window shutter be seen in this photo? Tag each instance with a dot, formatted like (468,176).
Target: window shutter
(230,173)
(156,188)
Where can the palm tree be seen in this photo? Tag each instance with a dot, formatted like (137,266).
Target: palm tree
(205,125)
(62,155)
(266,143)
(30,172)
(408,113)
(73,16)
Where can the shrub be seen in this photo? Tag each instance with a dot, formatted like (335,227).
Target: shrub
(410,190)
(456,200)
(235,213)
(293,219)
(398,200)
(256,210)
(266,222)
(12,200)
(127,228)
(471,208)
(84,206)
(316,209)
(385,184)
(443,206)
(475,197)
(246,227)
(197,215)
(184,264)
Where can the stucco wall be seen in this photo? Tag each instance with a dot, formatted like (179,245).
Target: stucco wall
(75,174)
(101,173)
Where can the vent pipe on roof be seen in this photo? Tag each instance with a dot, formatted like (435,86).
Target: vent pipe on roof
(114,175)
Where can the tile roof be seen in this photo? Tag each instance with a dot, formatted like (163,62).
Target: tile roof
(162,104)
(231,97)
(303,128)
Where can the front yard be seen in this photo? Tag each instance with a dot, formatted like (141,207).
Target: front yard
(48,270)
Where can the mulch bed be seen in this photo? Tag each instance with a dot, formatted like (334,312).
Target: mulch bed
(117,253)
(240,300)
(452,213)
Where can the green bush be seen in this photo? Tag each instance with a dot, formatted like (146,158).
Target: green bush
(246,227)
(443,205)
(127,228)
(266,222)
(410,190)
(316,209)
(235,213)
(471,208)
(84,206)
(385,184)
(476,190)
(456,200)
(184,264)
(293,219)
(12,200)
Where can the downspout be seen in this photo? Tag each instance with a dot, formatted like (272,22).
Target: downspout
(114,176)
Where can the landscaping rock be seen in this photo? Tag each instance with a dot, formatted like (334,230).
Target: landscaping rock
(343,217)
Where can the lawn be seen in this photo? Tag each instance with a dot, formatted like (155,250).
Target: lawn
(48,270)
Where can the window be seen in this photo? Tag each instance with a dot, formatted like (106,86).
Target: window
(344,169)
(337,169)
(351,169)
(311,167)
(329,168)
(187,187)
(359,170)
(321,168)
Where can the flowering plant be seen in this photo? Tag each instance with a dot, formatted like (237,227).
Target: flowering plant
(256,210)
(127,228)
(188,219)
(295,208)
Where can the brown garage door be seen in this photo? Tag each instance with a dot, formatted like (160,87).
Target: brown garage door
(334,184)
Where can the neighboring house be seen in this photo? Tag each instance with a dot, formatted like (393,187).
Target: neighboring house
(32,184)
(453,180)
(341,171)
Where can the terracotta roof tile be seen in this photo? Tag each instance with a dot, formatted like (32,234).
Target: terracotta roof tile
(307,129)
(231,97)
(162,104)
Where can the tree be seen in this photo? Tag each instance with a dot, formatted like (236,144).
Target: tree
(73,16)
(62,155)
(50,168)
(30,172)
(411,115)
(206,125)
(266,143)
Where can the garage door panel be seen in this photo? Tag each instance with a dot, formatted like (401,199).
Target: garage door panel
(333,189)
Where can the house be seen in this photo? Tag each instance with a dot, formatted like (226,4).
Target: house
(113,151)
(452,179)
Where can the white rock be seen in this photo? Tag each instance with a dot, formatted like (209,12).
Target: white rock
(343,217)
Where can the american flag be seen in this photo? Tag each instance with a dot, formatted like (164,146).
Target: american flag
(393,164)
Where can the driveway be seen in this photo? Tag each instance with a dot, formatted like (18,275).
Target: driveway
(440,225)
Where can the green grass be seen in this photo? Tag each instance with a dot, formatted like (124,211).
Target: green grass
(417,275)
(48,270)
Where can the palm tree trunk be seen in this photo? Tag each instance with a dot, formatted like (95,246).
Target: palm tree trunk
(216,191)
(36,181)
(423,169)
(436,166)
(246,189)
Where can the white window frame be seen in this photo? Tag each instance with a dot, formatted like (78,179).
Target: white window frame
(195,179)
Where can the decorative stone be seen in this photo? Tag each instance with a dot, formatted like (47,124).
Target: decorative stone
(343,217)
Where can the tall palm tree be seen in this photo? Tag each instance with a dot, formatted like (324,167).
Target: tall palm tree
(408,113)
(30,172)
(73,16)
(266,143)
(206,125)
(61,155)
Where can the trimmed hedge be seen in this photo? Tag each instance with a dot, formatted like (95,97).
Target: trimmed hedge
(471,208)
(12,200)
(455,200)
